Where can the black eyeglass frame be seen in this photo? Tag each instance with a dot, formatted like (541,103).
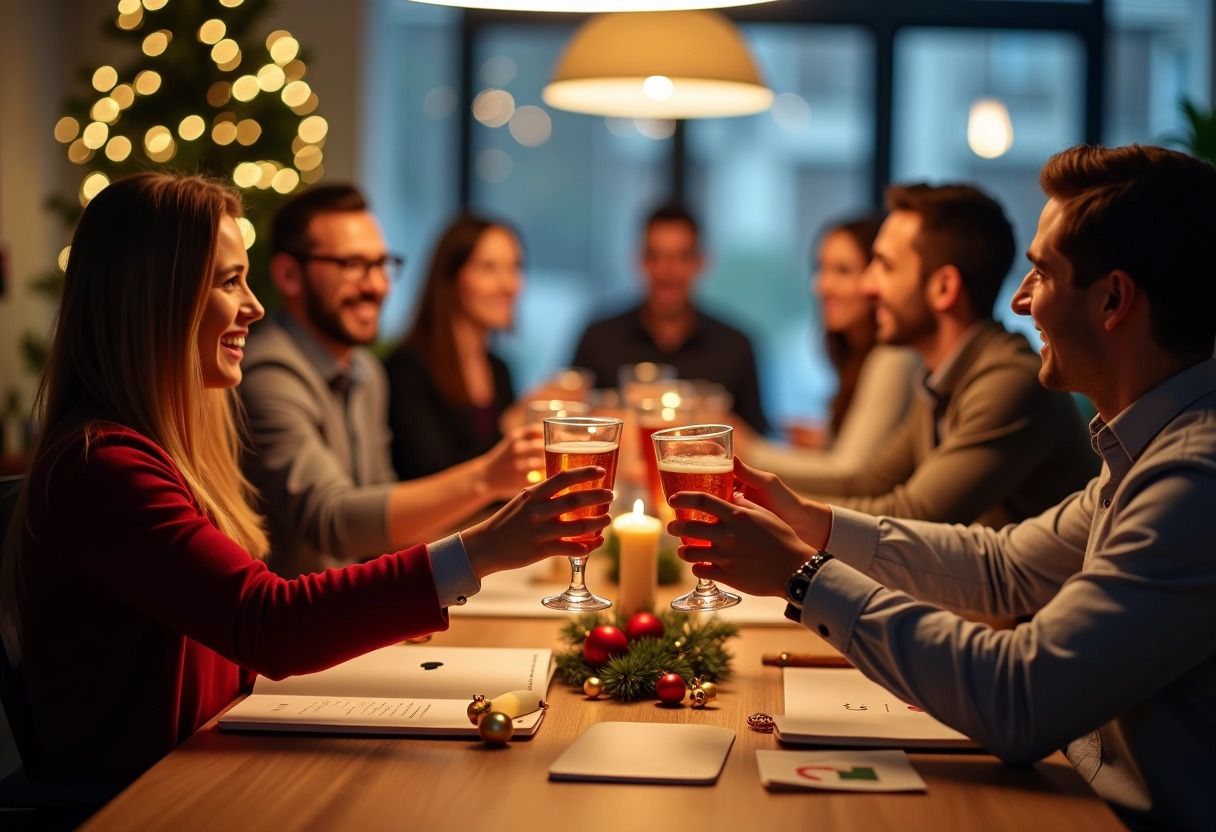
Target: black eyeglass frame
(391,264)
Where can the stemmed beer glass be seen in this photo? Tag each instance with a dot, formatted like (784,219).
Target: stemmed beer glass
(697,458)
(574,442)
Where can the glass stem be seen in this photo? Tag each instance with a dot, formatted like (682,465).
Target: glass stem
(577,584)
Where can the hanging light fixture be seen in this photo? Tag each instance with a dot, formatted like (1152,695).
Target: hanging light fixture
(592,6)
(989,128)
(680,64)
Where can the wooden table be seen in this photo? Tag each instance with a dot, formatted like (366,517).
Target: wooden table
(233,782)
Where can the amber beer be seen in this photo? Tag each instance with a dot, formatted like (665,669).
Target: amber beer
(711,474)
(561,456)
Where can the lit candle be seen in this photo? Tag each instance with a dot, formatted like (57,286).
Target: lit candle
(638,536)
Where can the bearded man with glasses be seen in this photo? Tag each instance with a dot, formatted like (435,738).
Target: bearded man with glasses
(317,402)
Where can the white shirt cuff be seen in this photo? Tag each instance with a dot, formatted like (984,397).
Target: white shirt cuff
(455,581)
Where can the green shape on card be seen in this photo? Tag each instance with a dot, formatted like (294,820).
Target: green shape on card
(856,773)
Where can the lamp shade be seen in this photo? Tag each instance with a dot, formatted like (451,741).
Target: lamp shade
(682,64)
(592,6)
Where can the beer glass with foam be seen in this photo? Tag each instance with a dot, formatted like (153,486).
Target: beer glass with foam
(697,458)
(574,442)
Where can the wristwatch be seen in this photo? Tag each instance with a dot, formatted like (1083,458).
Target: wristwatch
(798,584)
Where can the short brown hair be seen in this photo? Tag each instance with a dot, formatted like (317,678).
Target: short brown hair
(289,230)
(961,226)
(674,212)
(1150,212)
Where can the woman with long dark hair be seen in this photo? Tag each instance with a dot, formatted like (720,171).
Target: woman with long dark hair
(448,391)
(874,381)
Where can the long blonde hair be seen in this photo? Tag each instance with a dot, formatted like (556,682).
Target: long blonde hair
(124,348)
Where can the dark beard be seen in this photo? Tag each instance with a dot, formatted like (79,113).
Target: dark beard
(327,320)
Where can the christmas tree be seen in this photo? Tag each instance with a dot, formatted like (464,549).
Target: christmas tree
(205,91)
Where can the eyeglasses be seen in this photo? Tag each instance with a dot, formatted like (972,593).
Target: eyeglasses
(354,269)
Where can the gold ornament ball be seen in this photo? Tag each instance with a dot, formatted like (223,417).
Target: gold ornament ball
(495,727)
(593,687)
(711,690)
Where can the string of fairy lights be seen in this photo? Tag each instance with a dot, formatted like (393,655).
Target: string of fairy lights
(281,73)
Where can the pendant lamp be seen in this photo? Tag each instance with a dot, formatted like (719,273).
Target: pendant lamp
(592,6)
(680,64)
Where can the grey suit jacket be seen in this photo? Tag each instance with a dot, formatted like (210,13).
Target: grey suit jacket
(322,466)
(995,447)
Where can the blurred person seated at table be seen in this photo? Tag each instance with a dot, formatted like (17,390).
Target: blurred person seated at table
(668,328)
(874,381)
(317,402)
(447,390)
(983,440)
(1117,661)
(136,604)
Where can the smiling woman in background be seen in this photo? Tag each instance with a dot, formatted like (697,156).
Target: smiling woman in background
(448,392)
(135,602)
(874,380)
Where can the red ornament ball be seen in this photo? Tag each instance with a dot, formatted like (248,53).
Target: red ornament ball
(644,625)
(671,688)
(603,643)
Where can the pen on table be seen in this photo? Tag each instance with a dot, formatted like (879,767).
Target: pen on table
(803,660)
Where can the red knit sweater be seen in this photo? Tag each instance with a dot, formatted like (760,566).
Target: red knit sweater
(140,620)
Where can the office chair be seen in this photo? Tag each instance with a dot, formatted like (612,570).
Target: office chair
(28,804)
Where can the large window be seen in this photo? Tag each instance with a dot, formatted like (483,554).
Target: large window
(577,187)
(574,185)
(767,184)
(940,75)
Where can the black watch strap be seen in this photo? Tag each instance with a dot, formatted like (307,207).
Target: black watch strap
(797,585)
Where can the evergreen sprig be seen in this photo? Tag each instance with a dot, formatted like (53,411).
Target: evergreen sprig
(691,646)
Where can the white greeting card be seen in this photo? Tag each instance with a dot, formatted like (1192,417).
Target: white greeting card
(849,771)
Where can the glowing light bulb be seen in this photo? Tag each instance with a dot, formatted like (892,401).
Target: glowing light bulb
(191,127)
(104,78)
(658,87)
(118,148)
(989,128)
(66,129)
(212,31)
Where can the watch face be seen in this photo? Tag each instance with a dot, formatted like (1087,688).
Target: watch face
(796,587)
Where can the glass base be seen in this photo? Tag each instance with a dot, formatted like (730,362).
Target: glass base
(582,602)
(705,600)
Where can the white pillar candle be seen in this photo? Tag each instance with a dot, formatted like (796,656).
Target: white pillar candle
(638,536)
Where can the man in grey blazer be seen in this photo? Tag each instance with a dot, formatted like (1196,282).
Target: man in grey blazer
(983,441)
(317,402)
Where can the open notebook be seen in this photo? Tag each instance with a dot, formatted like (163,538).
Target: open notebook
(841,707)
(402,689)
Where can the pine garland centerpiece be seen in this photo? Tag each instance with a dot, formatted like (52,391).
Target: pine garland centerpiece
(630,660)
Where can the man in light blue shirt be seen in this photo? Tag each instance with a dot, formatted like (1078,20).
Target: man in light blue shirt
(1116,661)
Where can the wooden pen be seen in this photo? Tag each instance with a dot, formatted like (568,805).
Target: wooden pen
(784,659)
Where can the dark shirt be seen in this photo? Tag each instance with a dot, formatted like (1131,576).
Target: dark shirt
(713,351)
(430,433)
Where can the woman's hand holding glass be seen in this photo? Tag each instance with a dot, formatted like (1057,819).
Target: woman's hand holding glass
(531,526)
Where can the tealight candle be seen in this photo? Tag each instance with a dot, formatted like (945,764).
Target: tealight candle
(638,536)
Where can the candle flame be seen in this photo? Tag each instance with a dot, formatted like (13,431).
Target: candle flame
(638,507)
